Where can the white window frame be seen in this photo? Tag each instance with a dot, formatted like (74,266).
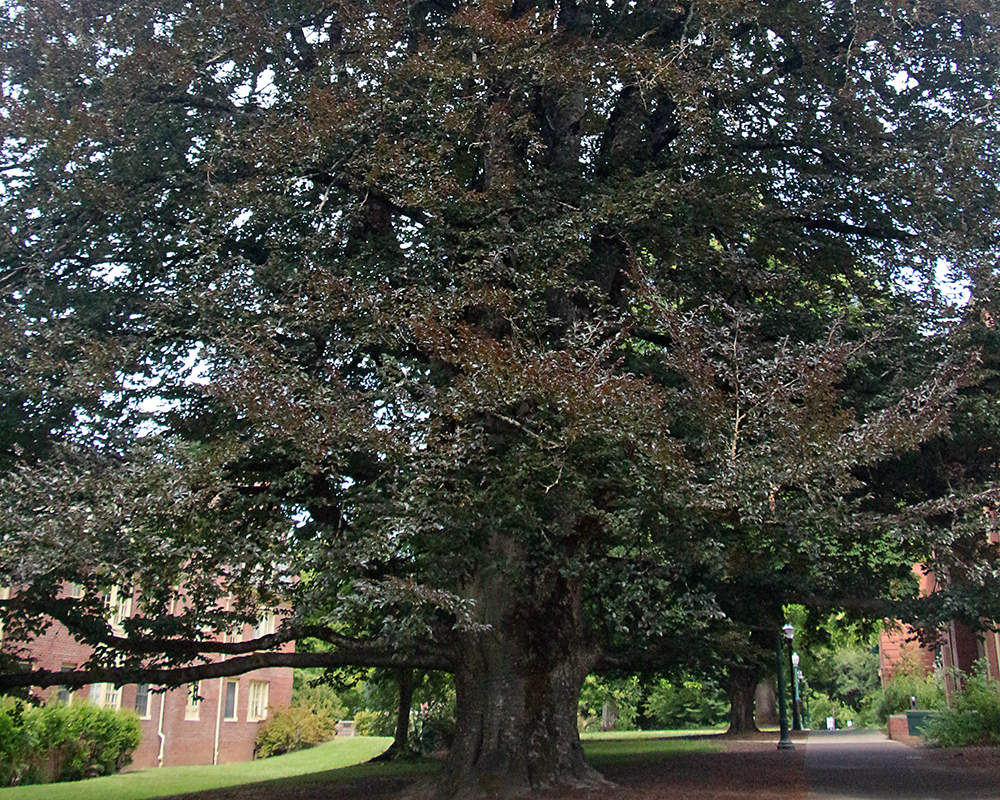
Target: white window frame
(148,714)
(257,696)
(64,694)
(119,607)
(234,682)
(265,626)
(106,695)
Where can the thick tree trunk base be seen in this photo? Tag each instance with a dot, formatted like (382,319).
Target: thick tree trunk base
(742,699)
(518,685)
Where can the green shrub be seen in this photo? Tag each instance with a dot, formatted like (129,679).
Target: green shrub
(974,718)
(294,728)
(822,706)
(433,725)
(15,742)
(688,704)
(374,723)
(63,743)
(897,695)
(619,696)
(308,691)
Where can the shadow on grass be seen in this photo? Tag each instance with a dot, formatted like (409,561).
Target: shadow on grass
(375,781)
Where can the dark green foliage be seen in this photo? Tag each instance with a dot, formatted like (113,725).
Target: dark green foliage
(848,674)
(687,704)
(294,728)
(821,706)
(63,743)
(374,723)
(897,695)
(308,691)
(974,717)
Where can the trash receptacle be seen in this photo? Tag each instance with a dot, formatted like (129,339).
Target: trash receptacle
(917,720)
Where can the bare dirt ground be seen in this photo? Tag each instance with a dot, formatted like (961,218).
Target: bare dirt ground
(744,770)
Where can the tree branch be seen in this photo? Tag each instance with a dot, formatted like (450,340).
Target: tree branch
(176,676)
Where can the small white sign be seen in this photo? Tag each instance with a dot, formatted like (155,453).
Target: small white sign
(830,724)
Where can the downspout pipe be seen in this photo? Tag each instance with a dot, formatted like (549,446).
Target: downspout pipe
(218,719)
(159,731)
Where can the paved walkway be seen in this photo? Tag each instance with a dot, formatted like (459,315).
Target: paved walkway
(865,765)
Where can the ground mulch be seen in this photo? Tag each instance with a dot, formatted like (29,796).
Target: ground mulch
(981,759)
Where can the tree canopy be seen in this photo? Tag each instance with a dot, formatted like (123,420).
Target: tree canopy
(518,340)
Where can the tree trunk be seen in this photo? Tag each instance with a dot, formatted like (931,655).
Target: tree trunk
(609,715)
(742,694)
(518,686)
(400,741)
(766,704)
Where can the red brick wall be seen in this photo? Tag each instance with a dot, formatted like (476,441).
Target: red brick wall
(896,647)
(185,741)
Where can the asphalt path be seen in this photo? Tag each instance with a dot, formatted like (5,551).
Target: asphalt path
(865,765)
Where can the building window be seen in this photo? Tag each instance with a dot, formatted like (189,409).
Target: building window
(64,694)
(105,695)
(232,687)
(193,706)
(74,590)
(142,703)
(119,605)
(265,626)
(257,701)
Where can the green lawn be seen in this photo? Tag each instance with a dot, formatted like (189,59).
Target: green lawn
(603,750)
(328,762)
(178,780)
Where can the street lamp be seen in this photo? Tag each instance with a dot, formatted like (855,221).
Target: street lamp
(789,632)
(785,742)
(797,721)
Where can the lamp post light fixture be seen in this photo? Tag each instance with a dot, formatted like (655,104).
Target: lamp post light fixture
(785,742)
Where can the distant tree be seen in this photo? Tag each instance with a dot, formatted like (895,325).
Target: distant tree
(514,340)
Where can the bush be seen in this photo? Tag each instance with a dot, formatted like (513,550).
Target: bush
(433,726)
(63,743)
(309,691)
(688,704)
(822,706)
(895,698)
(294,728)
(975,717)
(374,723)
(15,742)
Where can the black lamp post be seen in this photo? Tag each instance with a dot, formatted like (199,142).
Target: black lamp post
(789,632)
(798,719)
(785,742)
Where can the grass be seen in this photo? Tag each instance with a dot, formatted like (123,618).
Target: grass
(341,759)
(603,750)
(625,735)
(167,781)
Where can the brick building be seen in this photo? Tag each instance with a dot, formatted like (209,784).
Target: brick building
(212,722)
(959,649)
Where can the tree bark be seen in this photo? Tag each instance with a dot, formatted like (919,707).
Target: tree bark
(518,683)
(401,738)
(742,694)
(609,715)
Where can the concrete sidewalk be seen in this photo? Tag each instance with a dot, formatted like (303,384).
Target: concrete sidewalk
(865,765)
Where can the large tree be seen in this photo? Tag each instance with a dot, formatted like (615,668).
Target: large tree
(488,337)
